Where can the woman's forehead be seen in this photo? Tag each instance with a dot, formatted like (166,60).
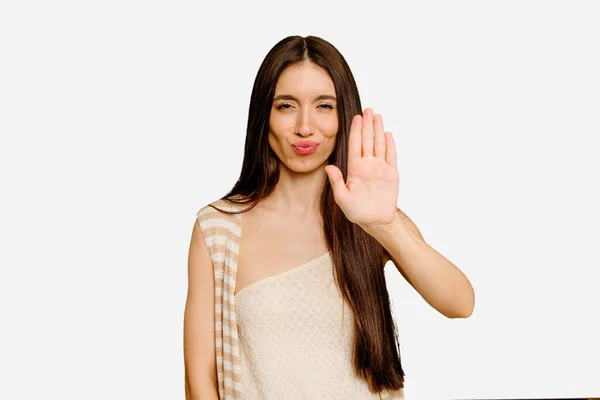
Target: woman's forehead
(305,82)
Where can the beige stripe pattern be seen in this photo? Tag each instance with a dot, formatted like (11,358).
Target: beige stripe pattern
(222,236)
(221,233)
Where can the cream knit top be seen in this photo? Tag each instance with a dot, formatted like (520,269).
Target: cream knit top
(287,336)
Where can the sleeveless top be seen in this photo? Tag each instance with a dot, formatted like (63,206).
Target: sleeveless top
(288,335)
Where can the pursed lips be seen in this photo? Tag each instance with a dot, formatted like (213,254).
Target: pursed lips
(305,144)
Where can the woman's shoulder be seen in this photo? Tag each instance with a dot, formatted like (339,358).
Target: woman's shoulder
(223,208)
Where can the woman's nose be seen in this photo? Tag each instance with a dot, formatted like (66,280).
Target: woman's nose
(305,123)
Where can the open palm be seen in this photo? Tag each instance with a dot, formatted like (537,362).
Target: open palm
(369,196)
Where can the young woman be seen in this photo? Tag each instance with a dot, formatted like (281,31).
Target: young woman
(287,296)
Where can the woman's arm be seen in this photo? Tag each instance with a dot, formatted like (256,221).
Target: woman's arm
(199,323)
(410,225)
(435,278)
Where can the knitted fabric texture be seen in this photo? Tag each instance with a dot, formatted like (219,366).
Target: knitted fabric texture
(222,236)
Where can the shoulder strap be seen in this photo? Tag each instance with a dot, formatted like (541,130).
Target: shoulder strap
(220,229)
(222,232)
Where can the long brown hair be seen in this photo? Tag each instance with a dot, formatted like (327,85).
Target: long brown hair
(357,256)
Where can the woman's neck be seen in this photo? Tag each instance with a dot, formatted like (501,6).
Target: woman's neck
(298,193)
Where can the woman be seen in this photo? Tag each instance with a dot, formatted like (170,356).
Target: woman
(287,296)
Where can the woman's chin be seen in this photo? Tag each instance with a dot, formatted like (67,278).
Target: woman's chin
(305,166)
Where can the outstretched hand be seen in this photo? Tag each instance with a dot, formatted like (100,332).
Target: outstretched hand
(369,196)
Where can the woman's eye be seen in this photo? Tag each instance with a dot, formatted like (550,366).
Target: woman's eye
(286,106)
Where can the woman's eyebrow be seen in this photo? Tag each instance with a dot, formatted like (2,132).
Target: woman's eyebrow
(290,97)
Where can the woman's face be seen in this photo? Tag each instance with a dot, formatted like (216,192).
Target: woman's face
(304,110)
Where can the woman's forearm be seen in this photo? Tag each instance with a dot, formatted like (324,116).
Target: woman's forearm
(436,279)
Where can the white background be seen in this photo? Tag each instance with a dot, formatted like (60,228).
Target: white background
(120,119)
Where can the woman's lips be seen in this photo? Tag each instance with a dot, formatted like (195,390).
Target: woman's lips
(304,148)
